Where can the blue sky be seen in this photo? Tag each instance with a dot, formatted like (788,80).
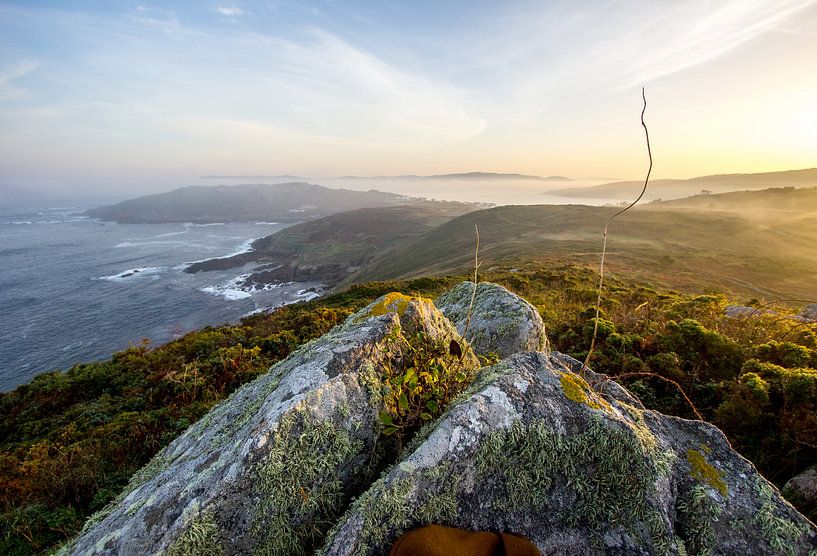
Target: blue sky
(166,91)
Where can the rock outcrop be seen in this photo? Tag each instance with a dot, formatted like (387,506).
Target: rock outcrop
(271,468)
(535,451)
(534,447)
(801,490)
(501,321)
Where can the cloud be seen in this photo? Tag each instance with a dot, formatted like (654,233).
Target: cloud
(230,11)
(12,73)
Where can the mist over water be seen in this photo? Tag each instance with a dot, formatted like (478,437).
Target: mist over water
(505,191)
(74,289)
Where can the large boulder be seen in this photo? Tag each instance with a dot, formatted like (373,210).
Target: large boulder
(532,449)
(801,490)
(501,321)
(272,467)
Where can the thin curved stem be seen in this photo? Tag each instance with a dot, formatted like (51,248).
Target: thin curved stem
(604,244)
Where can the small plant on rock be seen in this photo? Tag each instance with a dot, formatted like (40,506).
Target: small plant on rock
(422,375)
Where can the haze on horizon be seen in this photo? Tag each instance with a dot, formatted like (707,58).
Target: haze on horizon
(97,99)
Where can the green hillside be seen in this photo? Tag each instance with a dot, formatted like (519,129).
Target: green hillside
(330,249)
(692,250)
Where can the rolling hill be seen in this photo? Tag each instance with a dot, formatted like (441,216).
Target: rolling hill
(330,249)
(283,202)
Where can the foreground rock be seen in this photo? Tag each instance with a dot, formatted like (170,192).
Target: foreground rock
(501,321)
(534,451)
(271,468)
(801,490)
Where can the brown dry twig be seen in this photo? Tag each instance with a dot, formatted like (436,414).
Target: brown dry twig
(654,375)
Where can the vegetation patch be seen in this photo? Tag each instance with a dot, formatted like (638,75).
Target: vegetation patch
(421,375)
(71,441)
(200,538)
(300,485)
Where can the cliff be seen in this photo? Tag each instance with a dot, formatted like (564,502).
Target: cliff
(530,445)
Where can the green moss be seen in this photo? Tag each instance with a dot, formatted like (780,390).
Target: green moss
(703,471)
(299,483)
(697,513)
(200,538)
(388,508)
(610,469)
(780,532)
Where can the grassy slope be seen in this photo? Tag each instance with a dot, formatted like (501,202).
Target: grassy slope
(326,249)
(692,250)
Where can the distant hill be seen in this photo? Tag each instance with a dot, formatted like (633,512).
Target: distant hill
(459,176)
(283,202)
(674,189)
(480,176)
(329,249)
(773,202)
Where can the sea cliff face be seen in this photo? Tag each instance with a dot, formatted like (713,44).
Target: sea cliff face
(531,446)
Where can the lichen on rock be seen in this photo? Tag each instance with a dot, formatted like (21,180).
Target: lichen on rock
(501,321)
(518,454)
(270,469)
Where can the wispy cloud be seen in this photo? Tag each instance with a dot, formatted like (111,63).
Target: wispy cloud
(21,68)
(230,11)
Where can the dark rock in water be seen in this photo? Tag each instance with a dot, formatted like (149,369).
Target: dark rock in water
(801,490)
(533,450)
(270,469)
(501,321)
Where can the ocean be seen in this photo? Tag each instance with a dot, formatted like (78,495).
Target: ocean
(75,289)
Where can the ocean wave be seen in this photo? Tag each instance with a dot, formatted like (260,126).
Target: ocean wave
(231,290)
(245,247)
(134,272)
(171,234)
(127,244)
(307,295)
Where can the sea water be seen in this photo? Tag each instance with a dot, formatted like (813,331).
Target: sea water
(75,289)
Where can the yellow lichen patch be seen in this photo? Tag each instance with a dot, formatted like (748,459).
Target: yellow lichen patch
(576,389)
(701,470)
(394,302)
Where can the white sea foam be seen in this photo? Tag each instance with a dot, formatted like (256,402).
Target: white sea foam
(245,247)
(230,290)
(307,295)
(126,244)
(134,273)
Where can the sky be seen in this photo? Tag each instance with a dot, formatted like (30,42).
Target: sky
(108,96)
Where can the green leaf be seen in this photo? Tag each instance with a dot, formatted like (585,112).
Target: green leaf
(386,418)
(388,431)
(425,416)
(403,402)
(432,406)
(410,374)
(461,376)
